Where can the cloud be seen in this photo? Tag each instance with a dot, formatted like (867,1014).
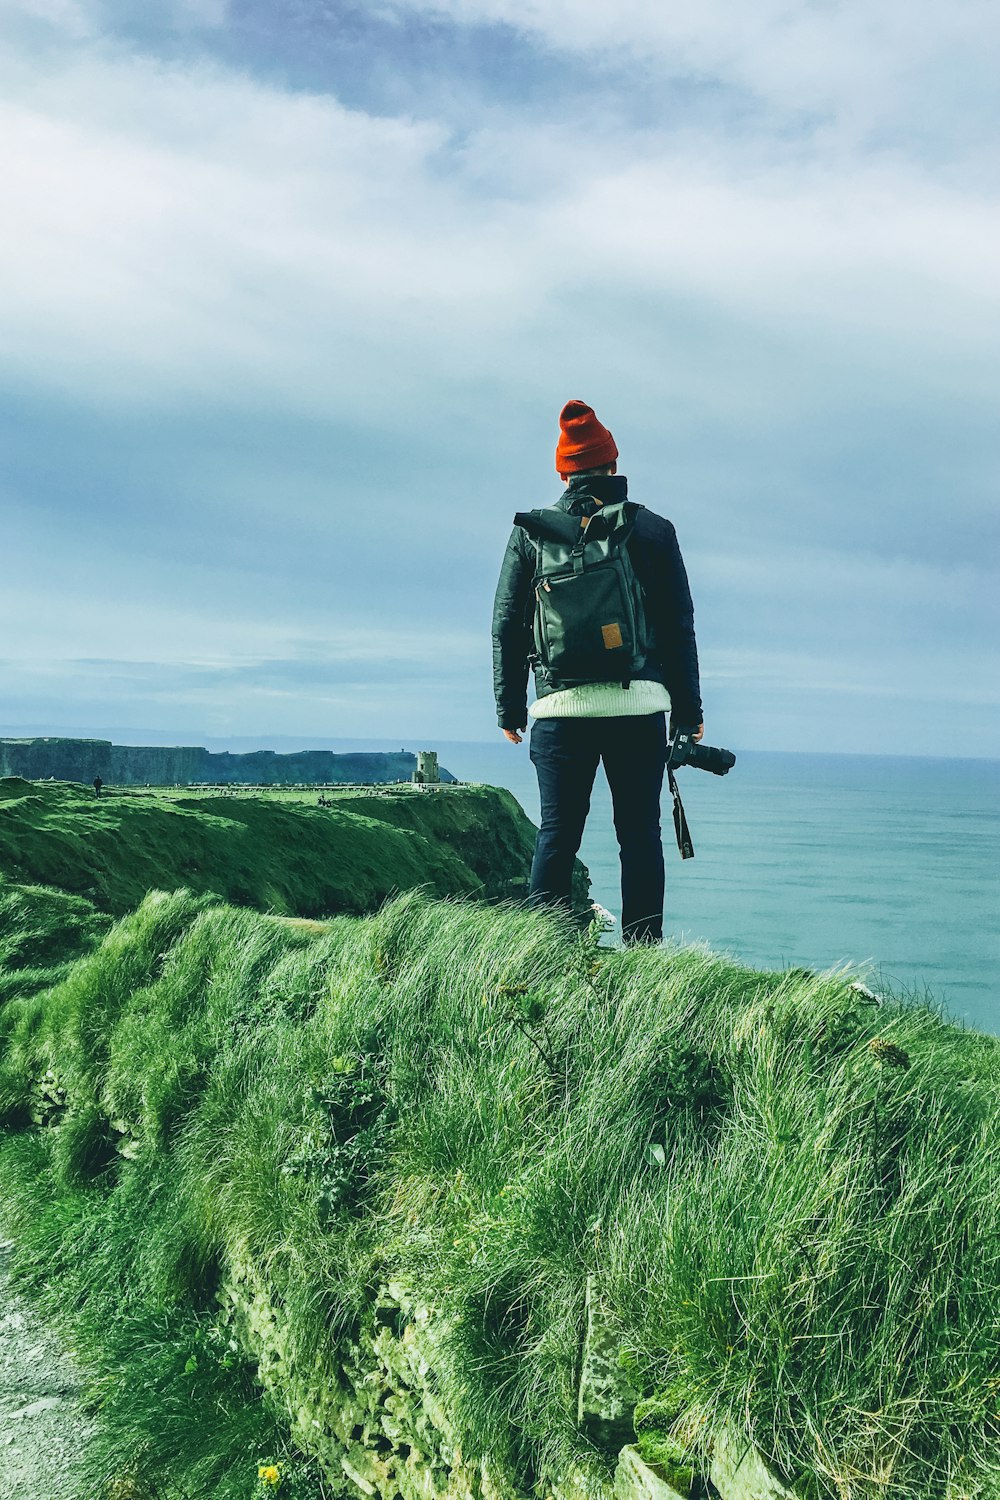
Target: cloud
(174,227)
(73,18)
(91,18)
(919,72)
(234,696)
(188,233)
(283,369)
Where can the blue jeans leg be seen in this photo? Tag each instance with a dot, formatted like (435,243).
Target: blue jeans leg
(565,754)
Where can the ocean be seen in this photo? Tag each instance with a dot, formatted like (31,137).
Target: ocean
(886,863)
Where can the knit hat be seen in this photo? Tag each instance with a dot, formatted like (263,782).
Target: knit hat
(584,442)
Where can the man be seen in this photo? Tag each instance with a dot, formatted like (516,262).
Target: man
(576,727)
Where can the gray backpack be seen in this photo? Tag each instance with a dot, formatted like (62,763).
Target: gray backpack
(589,619)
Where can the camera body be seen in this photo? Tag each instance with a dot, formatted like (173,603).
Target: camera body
(684,751)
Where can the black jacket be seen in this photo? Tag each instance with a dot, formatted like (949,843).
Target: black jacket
(658,565)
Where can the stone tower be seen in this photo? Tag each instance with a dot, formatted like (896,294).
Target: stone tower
(427,767)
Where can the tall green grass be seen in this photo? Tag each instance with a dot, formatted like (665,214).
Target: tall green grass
(787,1195)
(42,932)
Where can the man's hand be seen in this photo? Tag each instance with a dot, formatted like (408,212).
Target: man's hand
(698,733)
(514,735)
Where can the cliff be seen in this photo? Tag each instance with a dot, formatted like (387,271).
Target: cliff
(184,765)
(491,1212)
(267,851)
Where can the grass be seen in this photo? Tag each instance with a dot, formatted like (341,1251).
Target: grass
(787,1196)
(181,1414)
(42,931)
(262,850)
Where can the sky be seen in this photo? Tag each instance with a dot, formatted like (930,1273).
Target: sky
(292,293)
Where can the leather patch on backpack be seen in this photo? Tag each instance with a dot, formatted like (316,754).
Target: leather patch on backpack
(612,637)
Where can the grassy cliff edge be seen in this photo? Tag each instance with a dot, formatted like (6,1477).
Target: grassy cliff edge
(785,1195)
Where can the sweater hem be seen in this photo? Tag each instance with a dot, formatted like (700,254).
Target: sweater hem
(603,700)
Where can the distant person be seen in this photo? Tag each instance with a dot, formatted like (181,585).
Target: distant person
(98,783)
(613,652)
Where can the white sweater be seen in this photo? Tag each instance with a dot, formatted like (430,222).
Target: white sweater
(603,700)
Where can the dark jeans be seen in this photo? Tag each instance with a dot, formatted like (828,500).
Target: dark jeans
(565,753)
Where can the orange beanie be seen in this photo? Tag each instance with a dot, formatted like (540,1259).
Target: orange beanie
(584,442)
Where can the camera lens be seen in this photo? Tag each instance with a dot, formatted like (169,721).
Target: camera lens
(711,758)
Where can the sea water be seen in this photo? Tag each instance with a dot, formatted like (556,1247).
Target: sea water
(884,863)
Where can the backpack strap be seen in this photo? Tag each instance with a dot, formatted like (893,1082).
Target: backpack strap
(612,519)
(551,525)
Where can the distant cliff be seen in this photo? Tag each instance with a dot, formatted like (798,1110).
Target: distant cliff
(183,765)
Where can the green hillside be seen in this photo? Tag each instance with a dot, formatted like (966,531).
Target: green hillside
(319,1185)
(784,1195)
(284,855)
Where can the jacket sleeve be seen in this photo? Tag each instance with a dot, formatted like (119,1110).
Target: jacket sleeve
(512,639)
(671,614)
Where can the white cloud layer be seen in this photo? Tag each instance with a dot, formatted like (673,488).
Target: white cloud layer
(915,67)
(180,227)
(775,322)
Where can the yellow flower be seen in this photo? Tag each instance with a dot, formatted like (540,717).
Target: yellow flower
(270,1474)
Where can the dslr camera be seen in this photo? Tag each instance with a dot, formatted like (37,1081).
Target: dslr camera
(685,752)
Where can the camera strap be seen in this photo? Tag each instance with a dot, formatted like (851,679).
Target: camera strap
(681,831)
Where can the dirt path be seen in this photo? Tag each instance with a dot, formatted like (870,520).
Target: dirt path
(42,1429)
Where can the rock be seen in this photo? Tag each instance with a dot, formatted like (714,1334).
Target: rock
(34,1408)
(605,1397)
(635,1480)
(739,1471)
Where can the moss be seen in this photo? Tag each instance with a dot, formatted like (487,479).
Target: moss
(655,1420)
